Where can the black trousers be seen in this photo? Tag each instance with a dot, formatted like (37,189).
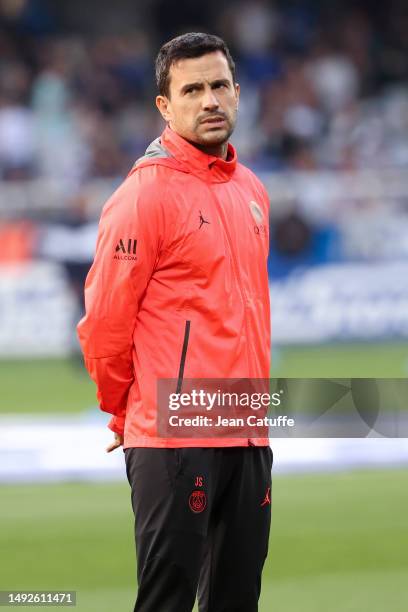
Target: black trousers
(202,520)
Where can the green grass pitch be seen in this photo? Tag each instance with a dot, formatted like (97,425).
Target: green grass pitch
(62,385)
(338,543)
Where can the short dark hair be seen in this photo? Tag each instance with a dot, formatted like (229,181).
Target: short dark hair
(192,44)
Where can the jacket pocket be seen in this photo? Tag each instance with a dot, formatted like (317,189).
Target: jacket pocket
(183,356)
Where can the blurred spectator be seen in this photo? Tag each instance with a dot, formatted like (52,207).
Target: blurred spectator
(333,77)
(295,242)
(17,241)
(254,34)
(322,85)
(27,16)
(17,138)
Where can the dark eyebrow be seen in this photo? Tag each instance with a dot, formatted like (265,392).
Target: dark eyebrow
(220,82)
(199,84)
(190,85)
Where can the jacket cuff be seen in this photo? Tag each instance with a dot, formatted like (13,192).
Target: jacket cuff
(117,424)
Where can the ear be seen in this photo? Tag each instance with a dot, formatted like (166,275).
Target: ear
(237,90)
(163,103)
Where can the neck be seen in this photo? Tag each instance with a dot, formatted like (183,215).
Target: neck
(220,150)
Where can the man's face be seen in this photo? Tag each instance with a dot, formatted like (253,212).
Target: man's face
(203,100)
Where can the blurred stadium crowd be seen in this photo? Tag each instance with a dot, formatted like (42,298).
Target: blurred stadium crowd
(323,121)
(324,85)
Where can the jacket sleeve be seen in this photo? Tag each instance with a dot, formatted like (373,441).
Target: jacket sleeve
(127,250)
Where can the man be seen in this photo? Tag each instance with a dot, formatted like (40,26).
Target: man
(179,289)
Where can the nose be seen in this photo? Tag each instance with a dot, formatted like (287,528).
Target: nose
(210,101)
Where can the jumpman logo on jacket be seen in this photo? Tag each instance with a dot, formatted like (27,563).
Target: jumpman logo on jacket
(202,220)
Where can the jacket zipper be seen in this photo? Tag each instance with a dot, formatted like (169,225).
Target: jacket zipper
(183,357)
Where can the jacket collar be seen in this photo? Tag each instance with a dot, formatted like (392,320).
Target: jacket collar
(208,167)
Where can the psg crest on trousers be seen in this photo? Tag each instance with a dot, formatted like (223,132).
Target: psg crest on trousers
(197,501)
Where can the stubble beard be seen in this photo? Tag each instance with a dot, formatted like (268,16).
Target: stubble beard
(214,138)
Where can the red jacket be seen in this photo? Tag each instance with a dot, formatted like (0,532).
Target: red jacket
(179,285)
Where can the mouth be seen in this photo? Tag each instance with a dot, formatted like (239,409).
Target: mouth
(214,122)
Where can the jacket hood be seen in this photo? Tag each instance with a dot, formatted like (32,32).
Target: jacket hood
(173,151)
